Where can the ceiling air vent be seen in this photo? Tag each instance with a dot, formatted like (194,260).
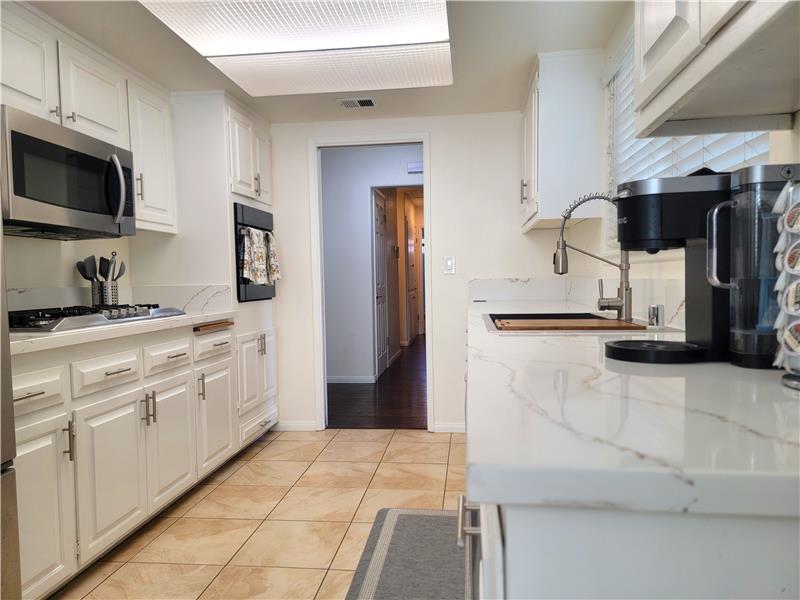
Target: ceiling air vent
(357,102)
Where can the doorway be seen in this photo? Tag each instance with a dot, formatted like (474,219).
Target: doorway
(373,249)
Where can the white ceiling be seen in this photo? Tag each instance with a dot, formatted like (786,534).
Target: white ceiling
(493,46)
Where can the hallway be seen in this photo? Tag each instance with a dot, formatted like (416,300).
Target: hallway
(397,401)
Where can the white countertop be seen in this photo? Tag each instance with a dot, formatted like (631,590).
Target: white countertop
(24,343)
(551,421)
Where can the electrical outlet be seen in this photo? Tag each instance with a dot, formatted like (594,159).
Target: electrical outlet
(449,265)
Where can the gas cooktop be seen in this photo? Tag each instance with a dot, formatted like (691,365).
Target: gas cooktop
(50,320)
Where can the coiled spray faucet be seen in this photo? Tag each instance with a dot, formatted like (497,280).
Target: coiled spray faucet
(622,302)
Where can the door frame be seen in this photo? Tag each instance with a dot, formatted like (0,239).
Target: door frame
(319,369)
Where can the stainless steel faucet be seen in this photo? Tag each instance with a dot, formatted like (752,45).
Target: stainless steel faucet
(622,302)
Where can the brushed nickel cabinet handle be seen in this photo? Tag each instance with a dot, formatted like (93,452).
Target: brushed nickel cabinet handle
(140,192)
(202,392)
(73,117)
(30,395)
(171,356)
(218,344)
(70,429)
(146,402)
(56,111)
(155,406)
(118,371)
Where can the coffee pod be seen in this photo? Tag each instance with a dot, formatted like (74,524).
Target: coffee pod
(791,259)
(791,298)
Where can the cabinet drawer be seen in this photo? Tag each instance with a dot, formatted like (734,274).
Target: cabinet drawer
(212,344)
(163,357)
(100,373)
(255,427)
(39,389)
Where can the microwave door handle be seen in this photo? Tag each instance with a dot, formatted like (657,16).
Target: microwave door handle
(121,208)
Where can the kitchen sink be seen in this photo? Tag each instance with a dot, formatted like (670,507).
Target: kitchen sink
(556,322)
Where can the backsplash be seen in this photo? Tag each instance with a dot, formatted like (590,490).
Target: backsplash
(584,290)
(188,298)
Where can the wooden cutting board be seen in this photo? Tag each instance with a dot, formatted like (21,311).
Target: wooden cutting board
(564,324)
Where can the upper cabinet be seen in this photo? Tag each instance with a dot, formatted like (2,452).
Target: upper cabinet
(250,157)
(154,171)
(563,127)
(29,67)
(93,95)
(715,66)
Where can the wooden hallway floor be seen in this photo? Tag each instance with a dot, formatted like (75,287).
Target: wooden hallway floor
(398,400)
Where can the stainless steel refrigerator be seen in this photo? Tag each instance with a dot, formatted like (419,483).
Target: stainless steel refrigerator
(10,586)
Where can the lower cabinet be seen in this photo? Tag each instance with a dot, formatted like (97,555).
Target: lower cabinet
(216,414)
(111,477)
(46,505)
(258,407)
(171,464)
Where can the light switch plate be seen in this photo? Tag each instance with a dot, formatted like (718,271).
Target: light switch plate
(449,265)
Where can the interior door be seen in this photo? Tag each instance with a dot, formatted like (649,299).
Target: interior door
(381,308)
(171,466)
(151,143)
(111,470)
(46,505)
(215,413)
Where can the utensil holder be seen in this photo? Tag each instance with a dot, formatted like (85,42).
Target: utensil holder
(105,292)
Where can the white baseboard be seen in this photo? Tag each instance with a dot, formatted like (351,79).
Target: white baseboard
(295,426)
(351,379)
(394,358)
(450,427)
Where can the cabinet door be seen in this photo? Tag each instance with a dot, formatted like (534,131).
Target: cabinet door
(714,14)
(530,142)
(46,505)
(29,67)
(251,372)
(667,37)
(111,470)
(242,151)
(93,95)
(171,465)
(216,414)
(151,143)
(264,169)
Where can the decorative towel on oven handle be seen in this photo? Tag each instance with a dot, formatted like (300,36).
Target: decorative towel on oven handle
(254,255)
(273,266)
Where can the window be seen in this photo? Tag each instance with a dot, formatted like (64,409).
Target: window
(631,158)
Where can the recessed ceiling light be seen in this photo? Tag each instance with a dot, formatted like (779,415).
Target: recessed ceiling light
(278,47)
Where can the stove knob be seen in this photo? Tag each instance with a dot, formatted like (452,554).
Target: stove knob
(142,310)
(106,314)
(114,313)
(123,312)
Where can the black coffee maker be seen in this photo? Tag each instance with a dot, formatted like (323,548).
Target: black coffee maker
(664,213)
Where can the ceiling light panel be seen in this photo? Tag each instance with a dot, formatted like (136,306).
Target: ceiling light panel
(228,27)
(361,69)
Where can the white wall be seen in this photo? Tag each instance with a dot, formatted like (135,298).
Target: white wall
(348,176)
(475,167)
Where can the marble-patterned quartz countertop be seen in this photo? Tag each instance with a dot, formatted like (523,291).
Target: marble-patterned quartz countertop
(551,421)
(24,343)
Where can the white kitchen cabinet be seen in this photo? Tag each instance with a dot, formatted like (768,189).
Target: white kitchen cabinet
(565,115)
(242,150)
(216,414)
(263,168)
(111,467)
(169,429)
(94,97)
(667,37)
(46,505)
(715,66)
(528,193)
(29,70)
(252,371)
(154,171)
(271,359)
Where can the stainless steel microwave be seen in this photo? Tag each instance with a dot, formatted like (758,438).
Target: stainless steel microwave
(61,184)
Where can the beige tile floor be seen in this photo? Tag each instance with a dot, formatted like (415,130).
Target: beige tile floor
(288,517)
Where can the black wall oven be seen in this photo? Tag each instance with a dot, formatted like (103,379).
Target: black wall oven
(61,184)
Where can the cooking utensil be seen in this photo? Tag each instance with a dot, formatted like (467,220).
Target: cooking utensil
(121,271)
(104,266)
(91,267)
(112,265)
(81,266)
